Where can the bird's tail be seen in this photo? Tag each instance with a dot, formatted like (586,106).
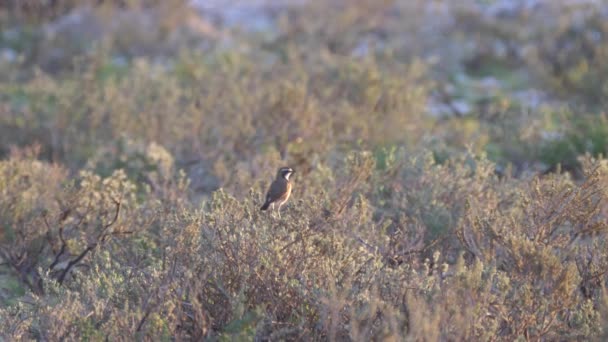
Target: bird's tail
(265,206)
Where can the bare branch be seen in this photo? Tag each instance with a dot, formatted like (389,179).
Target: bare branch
(74,262)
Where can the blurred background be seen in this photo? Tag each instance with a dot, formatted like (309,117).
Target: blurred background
(220,83)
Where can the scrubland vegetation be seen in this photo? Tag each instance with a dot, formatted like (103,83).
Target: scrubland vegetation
(450,184)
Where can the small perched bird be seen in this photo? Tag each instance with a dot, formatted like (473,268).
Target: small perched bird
(279,190)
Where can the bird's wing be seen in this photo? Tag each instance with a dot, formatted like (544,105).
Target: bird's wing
(278,189)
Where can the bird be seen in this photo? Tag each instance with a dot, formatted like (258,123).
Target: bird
(280,189)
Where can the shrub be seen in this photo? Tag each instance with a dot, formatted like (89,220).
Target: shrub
(137,214)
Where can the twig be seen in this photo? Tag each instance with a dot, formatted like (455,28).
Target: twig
(74,262)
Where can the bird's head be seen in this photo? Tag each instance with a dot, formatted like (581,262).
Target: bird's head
(285,172)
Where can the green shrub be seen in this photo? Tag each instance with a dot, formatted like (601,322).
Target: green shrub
(578,134)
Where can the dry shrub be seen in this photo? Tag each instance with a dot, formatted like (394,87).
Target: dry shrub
(386,236)
(224,114)
(533,245)
(515,258)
